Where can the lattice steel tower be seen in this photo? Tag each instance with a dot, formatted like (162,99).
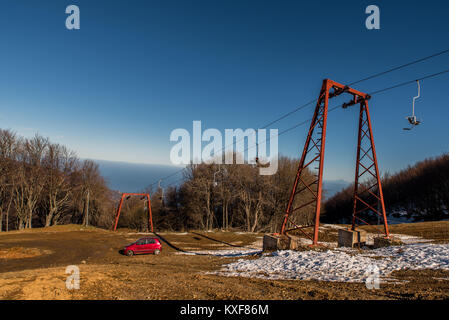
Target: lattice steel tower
(365,193)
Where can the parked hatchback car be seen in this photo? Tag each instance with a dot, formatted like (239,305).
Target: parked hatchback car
(143,245)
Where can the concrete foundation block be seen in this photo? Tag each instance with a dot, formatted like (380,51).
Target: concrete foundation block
(351,238)
(380,242)
(295,243)
(276,242)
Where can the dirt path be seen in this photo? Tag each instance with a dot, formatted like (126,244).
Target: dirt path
(65,249)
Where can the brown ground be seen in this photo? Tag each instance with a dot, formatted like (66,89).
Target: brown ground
(106,274)
(20,252)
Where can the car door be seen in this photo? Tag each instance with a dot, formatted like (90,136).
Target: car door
(140,245)
(147,247)
(152,245)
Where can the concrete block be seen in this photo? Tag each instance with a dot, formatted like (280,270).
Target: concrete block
(380,242)
(362,237)
(275,242)
(295,243)
(351,238)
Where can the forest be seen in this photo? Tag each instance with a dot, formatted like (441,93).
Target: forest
(44,184)
(418,193)
(221,196)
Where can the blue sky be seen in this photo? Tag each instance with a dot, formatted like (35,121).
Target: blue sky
(136,70)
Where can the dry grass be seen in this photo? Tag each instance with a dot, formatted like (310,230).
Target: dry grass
(324,234)
(437,231)
(53,229)
(20,253)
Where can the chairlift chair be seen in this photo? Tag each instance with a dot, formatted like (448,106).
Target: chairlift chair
(413,120)
(162,191)
(215,183)
(257,153)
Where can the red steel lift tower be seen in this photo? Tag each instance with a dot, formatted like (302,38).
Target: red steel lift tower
(368,196)
(126,196)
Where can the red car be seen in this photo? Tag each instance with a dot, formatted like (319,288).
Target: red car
(143,245)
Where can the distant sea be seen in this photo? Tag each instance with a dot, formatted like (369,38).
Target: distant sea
(132,177)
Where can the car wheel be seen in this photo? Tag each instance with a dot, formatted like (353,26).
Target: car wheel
(129,253)
(157,251)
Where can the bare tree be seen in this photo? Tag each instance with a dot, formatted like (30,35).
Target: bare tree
(8,146)
(93,190)
(29,179)
(59,164)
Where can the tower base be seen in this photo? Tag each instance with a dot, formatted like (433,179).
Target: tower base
(351,238)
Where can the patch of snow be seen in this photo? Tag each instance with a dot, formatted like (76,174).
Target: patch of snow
(145,233)
(331,226)
(410,239)
(175,233)
(244,232)
(406,239)
(401,219)
(306,242)
(224,253)
(342,264)
(254,248)
(441,279)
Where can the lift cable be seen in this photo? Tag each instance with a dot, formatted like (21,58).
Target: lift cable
(409,82)
(333,109)
(371,94)
(315,100)
(359,81)
(352,83)
(166,177)
(279,134)
(330,110)
(399,67)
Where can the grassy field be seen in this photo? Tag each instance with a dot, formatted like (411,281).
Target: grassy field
(33,264)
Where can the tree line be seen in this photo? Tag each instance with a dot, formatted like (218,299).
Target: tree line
(417,193)
(44,184)
(225,196)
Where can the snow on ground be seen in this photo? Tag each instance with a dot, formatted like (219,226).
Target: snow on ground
(410,239)
(250,250)
(174,233)
(342,264)
(240,252)
(406,239)
(142,233)
(336,264)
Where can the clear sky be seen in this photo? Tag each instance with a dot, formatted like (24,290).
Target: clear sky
(136,70)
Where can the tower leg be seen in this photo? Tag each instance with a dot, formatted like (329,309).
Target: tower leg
(367,166)
(365,190)
(118,212)
(313,189)
(150,218)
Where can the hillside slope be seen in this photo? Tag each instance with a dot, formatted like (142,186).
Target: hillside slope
(417,193)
